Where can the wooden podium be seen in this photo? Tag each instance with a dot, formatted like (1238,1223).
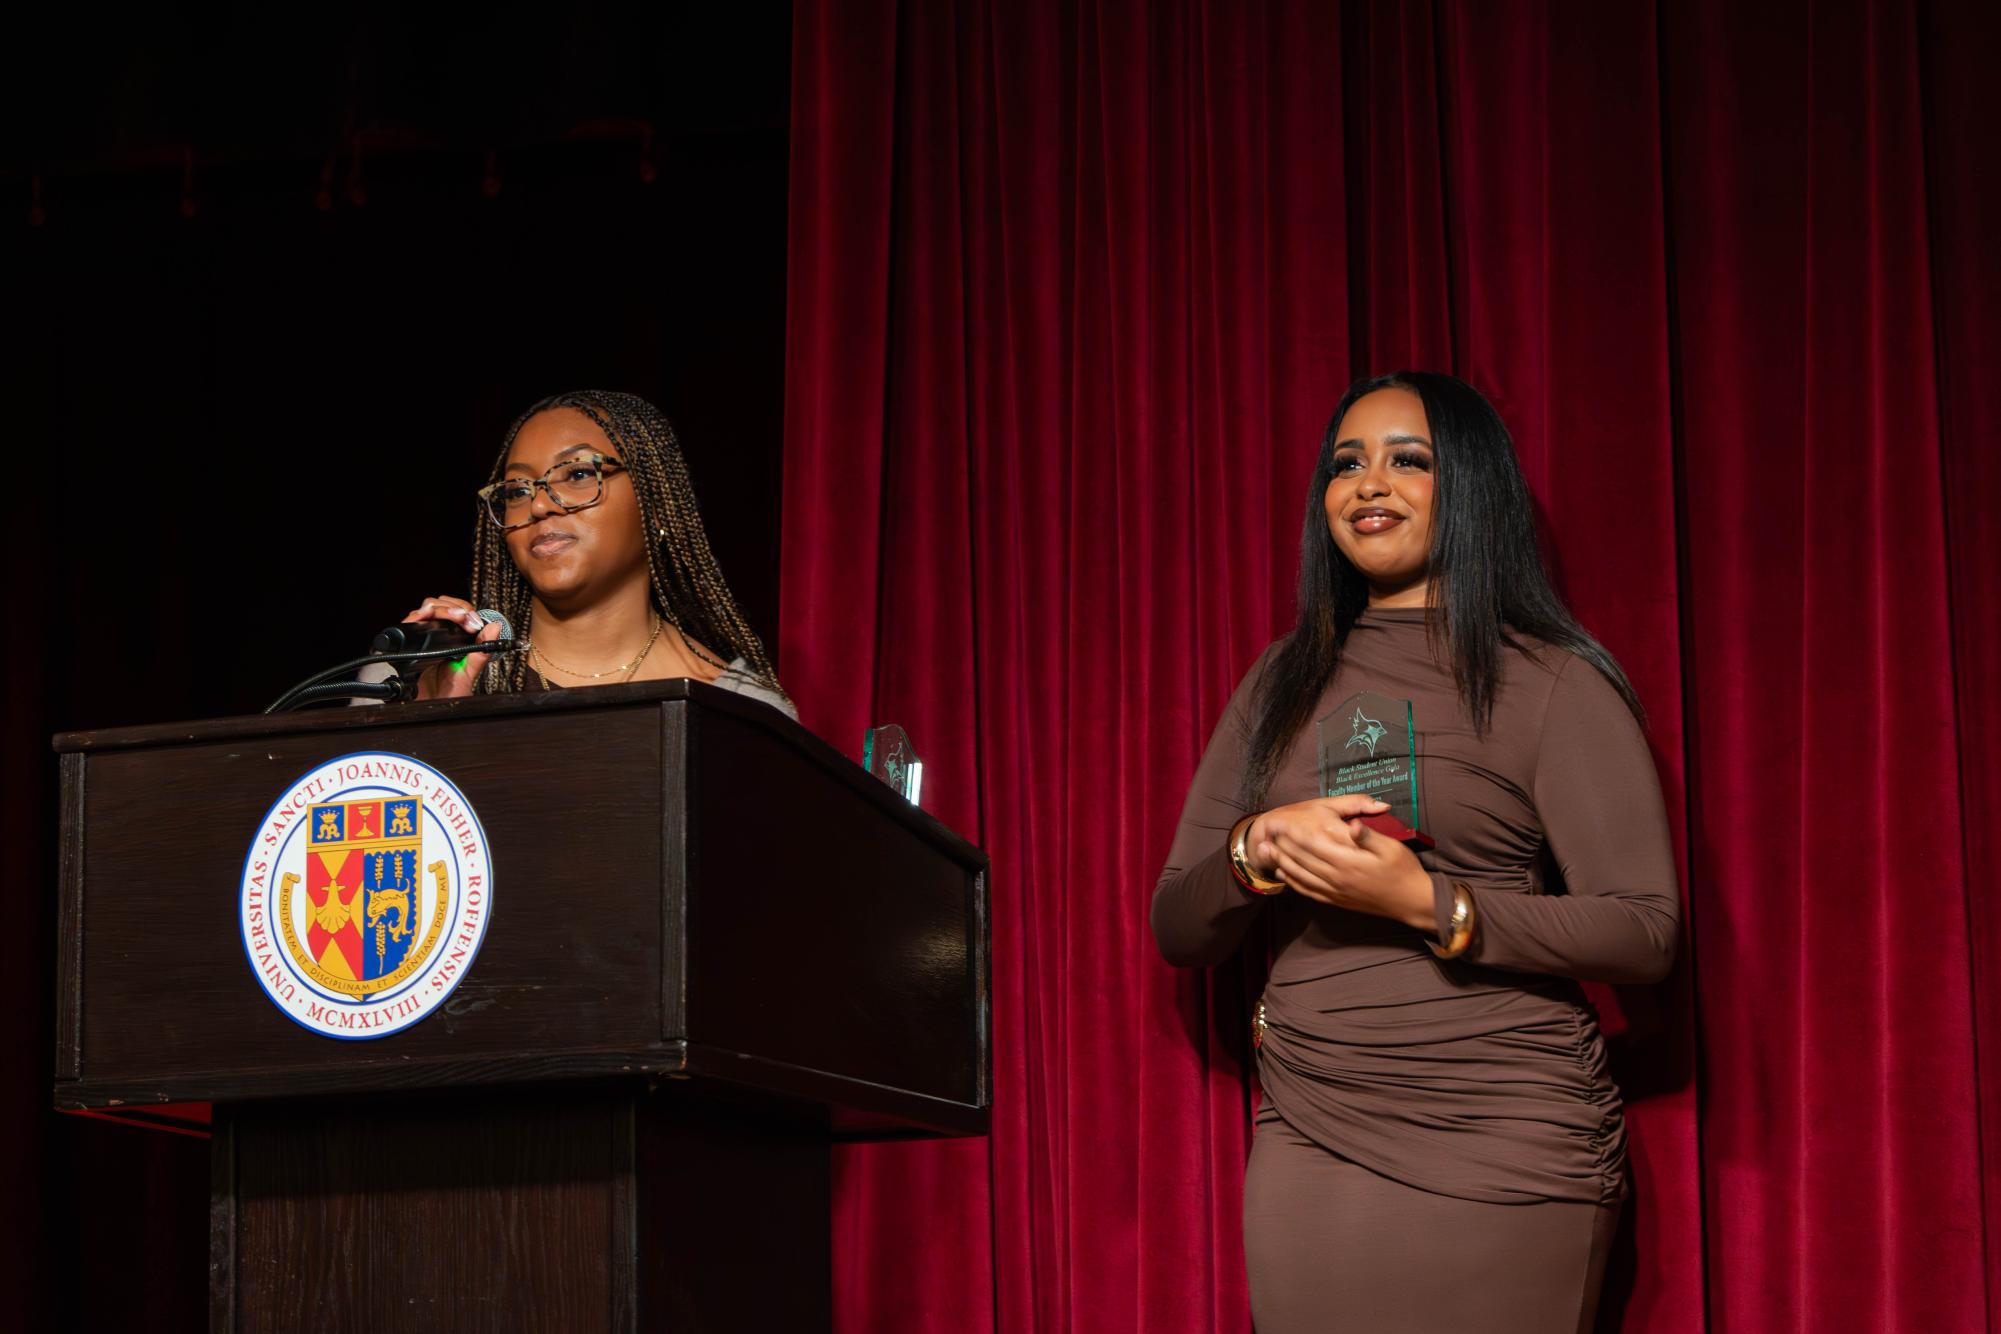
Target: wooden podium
(715,946)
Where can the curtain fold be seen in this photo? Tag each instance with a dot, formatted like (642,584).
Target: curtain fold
(1958,41)
(1839,1125)
(1073,287)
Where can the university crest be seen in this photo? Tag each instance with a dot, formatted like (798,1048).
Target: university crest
(366,895)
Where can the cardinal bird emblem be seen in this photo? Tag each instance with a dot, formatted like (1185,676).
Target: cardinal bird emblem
(1367,732)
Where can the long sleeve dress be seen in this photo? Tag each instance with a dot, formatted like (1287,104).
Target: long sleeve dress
(1482,1077)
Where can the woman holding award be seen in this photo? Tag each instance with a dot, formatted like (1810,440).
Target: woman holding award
(1440,1146)
(588,540)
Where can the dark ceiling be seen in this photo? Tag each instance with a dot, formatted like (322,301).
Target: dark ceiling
(136,95)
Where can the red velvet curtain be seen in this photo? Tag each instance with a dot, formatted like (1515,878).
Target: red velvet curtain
(1073,286)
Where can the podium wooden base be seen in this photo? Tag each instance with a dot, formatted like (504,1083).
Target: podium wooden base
(513,1211)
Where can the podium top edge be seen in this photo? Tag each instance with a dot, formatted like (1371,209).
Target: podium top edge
(638,694)
(339,719)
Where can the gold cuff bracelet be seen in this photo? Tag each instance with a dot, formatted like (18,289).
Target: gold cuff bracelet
(1246,875)
(1459,928)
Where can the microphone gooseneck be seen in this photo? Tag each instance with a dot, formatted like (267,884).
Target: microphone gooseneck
(408,647)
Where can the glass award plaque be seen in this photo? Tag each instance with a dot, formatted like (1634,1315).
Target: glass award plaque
(887,753)
(1368,745)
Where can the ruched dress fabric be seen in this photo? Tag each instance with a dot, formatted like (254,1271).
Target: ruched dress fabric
(1479,1081)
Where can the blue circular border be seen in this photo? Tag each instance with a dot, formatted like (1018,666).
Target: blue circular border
(243,879)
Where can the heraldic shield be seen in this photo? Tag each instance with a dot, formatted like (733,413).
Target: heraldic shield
(362,915)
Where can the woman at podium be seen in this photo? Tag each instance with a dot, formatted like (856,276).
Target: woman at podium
(589,541)
(1437,790)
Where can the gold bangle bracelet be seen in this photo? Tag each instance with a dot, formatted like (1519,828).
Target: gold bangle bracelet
(1459,929)
(1246,875)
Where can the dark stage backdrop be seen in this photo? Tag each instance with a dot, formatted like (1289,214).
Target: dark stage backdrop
(243,441)
(1073,287)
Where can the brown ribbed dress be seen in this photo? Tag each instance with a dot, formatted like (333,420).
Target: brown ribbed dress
(1440,1146)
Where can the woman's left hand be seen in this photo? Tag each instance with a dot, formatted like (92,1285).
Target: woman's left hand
(1344,863)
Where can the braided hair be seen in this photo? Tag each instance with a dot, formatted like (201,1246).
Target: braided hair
(686,583)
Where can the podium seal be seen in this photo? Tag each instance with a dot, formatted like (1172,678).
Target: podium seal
(366,893)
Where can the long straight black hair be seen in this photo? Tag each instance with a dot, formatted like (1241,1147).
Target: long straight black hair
(1488,580)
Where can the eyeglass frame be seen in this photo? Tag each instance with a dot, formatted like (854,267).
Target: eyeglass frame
(597,461)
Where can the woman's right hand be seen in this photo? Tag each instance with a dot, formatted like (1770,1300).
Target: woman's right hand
(453,676)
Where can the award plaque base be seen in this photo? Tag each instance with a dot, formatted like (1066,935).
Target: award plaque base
(1390,827)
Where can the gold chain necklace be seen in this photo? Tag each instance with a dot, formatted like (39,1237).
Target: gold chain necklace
(628,668)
